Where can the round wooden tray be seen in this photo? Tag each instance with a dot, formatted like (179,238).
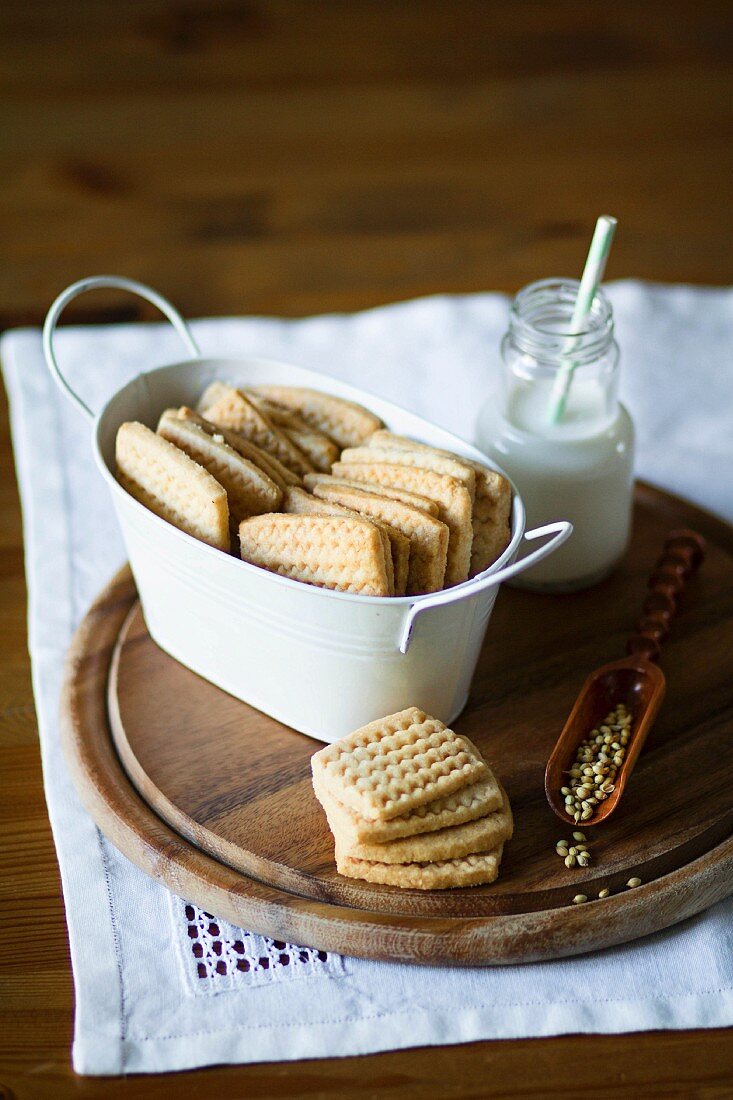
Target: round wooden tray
(214,799)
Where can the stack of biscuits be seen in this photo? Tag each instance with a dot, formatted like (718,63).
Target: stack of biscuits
(313,487)
(410,803)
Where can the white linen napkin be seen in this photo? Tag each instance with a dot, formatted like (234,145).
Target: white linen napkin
(161,985)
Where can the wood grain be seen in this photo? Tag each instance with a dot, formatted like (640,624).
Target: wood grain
(433,146)
(237,783)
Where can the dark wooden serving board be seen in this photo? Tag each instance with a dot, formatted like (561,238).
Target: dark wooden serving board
(215,776)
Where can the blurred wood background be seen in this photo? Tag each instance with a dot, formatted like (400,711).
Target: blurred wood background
(298,156)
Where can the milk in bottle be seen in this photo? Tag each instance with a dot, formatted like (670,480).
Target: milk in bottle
(581,467)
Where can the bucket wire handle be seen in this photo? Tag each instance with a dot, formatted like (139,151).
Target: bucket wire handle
(115,282)
(561,530)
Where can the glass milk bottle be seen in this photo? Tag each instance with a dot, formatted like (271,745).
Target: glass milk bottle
(578,468)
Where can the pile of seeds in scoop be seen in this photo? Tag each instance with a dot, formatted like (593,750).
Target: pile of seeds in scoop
(597,761)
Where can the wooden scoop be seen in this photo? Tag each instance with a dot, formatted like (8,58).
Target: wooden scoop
(634,681)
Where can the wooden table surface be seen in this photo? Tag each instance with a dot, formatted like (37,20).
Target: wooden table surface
(296,156)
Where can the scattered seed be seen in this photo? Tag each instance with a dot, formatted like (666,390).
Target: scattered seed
(603,893)
(578,836)
(579,899)
(634,882)
(569,861)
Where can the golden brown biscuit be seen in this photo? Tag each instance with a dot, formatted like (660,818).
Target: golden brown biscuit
(413,499)
(317,446)
(481,835)
(345,422)
(274,469)
(425,459)
(298,502)
(172,485)
(492,505)
(452,497)
(249,489)
(321,451)
(468,804)
(228,407)
(336,552)
(475,870)
(392,766)
(427,536)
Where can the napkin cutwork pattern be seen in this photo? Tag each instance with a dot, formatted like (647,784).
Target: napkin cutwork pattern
(216,956)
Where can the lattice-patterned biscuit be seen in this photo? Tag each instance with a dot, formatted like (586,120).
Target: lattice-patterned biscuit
(396,764)
(452,498)
(424,459)
(475,870)
(492,505)
(468,804)
(274,469)
(413,499)
(428,537)
(345,422)
(459,840)
(303,503)
(490,540)
(278,414)
(171,484)
(228,407)
(249,489)
(321,451)
(298,502)
(335,552)
(317,446)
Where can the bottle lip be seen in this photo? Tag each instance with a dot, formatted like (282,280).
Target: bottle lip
(540,318)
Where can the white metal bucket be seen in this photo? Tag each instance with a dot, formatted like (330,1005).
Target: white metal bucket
(322,662)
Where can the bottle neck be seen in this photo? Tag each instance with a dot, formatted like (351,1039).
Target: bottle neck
(541,348)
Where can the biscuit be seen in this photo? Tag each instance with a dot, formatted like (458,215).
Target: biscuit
(317,446)
(345,422)
(492,505)
(278,414)
(274,469)
(451,496)
(413,499)
(474,870)
(467,804)
(427,536)
(249,489)
(425,459)
(228,407)
(480,835)
(297,502)
(394,765)
(321,451)
(169,483)
(336,552)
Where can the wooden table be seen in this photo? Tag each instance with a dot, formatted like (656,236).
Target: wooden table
(293,156)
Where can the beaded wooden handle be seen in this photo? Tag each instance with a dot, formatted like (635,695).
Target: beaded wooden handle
(682,556)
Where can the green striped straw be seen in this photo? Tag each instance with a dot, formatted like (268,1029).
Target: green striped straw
(595,265)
